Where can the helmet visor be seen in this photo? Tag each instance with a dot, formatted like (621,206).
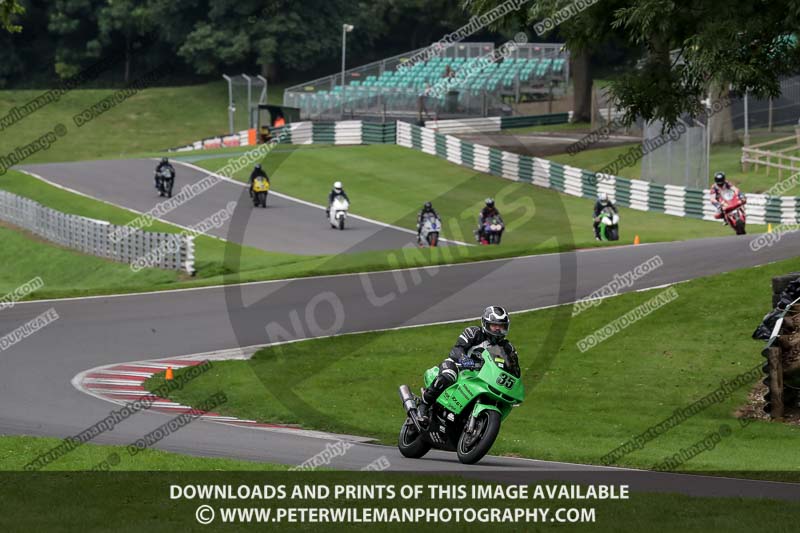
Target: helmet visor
(496,328)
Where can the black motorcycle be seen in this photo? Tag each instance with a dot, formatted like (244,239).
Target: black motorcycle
(165,181)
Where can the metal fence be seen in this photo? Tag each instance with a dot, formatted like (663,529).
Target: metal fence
(769,114)
(537,71)
(245,94)
(678,157)
(161,250)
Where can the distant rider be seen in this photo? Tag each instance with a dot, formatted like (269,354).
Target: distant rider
(164,163)
(602,202)
(427,210)
(488,212)
(257,172)
(491,332)
(720,185)
(337,190)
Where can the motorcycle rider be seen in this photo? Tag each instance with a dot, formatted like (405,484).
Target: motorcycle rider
(491,332)
(721,183)
(337,190)
(164,163)
(427,210)
(602,202)
(257,172)
(489,211)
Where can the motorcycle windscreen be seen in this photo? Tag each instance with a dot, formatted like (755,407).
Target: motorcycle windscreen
(501,383)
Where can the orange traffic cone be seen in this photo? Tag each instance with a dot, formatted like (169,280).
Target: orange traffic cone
(169,375)
(636,240)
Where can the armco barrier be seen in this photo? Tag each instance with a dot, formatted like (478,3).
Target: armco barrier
(489,124)
(94,236)
(243,138)
(361,132)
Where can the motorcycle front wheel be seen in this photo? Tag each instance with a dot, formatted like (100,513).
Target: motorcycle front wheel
(472,447)
(410,443)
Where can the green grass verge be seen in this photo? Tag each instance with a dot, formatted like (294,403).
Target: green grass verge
(579,406)
(150,121)
(16,452)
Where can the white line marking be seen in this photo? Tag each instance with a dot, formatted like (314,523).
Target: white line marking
(310,204)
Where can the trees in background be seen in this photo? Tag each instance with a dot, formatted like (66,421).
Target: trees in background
(8,9)
(278,37)
(686,50)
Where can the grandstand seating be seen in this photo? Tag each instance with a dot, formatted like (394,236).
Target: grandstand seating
(399,88)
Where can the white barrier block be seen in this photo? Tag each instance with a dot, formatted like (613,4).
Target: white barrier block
(428,141)
(453,149)
(572,181)
(511,166)
(541,172)
(480,158)
(640,191)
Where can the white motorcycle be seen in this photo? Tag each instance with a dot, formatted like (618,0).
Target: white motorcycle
(429,234)
(338,212)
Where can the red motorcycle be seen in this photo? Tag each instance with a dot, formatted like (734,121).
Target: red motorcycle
(732,209)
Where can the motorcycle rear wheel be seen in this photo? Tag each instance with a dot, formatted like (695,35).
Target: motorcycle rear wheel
(469,450)
(410,443)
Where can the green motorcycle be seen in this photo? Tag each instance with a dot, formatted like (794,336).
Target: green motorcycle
(466,417)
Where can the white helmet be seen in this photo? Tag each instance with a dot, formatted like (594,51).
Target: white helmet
(337,186)
(602,197)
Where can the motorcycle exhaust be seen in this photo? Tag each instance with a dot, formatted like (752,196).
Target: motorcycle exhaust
(409,402)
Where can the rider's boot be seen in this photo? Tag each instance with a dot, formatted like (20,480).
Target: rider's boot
(423,410)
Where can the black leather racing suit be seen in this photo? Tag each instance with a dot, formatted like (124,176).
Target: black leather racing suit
(422,214)
(469,338)
(161,165)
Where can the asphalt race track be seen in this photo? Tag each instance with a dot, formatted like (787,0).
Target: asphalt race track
(284,226)
(37,398)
